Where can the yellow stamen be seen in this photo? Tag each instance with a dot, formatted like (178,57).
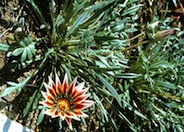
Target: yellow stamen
(63,104)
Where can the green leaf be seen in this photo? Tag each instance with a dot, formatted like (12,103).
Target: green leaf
(103,60)
(24,55)
(51,8)
(110,88)
(179,128)
(100,105)
(135,111)
(4,47)
(132,9)
(40,117)
(15,86)
(29,53)
(128,75)
(83,121)
(59,20)
(17,51)
(98,12)
(32,47)
(167,84)
(12,83)
(175,3)
(114,124)
(37,10)
(80,20)
(8,90)
(22,44)
(27,40)
(124,4)
(121,115)
(29,103)
(27,49)
(160,64)
(131,30)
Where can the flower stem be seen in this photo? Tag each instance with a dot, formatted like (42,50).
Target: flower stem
(131,47)
(136,36)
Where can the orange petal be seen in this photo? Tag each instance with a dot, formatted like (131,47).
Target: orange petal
(80,86)
(50,90)
(48,104)
(69,113)
(49,112)
(52,84)
(49,97)
(59,89)
(80,113)
(55,114)
(78,90)
(78,93)
(72,86)
(84,105)
(58,84)
(81,98)
(64,85)
(62,115)
(73,116)
(83,114)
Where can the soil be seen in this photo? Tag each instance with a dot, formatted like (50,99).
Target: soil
(13,104)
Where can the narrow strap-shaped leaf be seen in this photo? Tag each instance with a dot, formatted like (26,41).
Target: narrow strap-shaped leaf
(80,20)
(110,88)
(132,9)
(128,75)
(35,7)
(33,101)
(97,13)
(121,115)
(101,107)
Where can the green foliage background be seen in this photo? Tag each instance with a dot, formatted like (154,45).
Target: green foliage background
(135,79)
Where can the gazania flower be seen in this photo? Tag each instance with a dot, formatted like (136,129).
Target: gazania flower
(64,100)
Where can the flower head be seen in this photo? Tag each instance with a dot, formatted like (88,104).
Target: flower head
(64,100)
(163,34)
